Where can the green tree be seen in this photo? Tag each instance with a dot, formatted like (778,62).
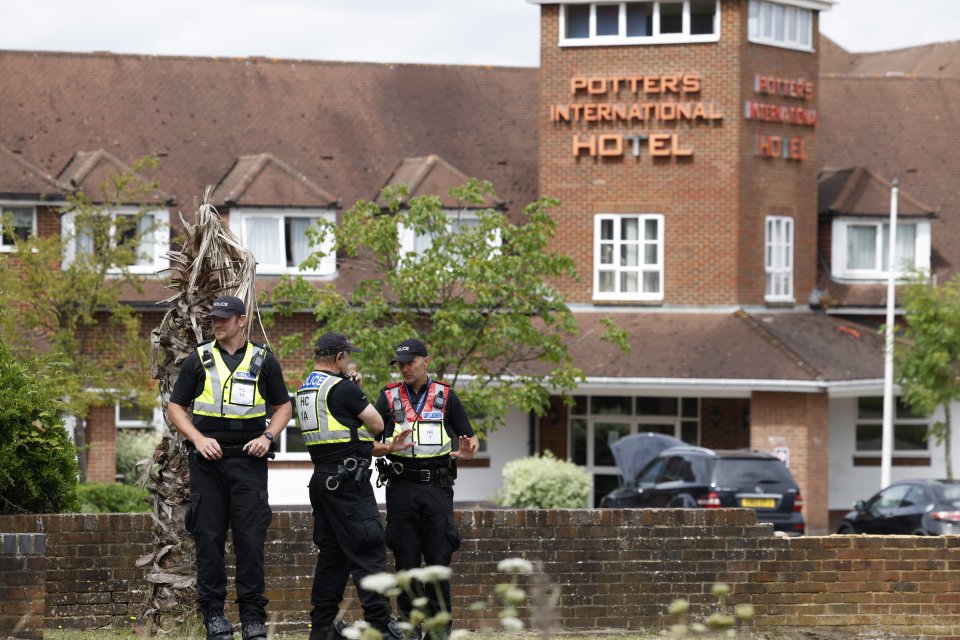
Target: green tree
(928,356)
(481,297)
(38,466)
(65,293)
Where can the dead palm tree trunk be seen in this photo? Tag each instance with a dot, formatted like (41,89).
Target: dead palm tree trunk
(210,263)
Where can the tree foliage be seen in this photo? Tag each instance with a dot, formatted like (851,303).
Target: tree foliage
(481,297)
(38,467)
(927,359)
(69,301)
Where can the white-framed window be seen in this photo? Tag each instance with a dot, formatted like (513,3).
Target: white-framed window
(279,242)
(909,429)
(778,259)
(412,243)
(780,25)
(860,248)
(628,257)
(151,229)
(22,224)
(132,416)
(596,422)
(639,22)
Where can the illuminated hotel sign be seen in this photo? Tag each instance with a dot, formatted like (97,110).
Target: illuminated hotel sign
(634,100)
(773,146)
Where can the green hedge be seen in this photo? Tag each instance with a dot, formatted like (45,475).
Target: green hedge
(38,463)
(544,482)
(133,446)
(97,497)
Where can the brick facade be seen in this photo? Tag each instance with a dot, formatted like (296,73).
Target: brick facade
(23,570)
(799,422)
(616,569)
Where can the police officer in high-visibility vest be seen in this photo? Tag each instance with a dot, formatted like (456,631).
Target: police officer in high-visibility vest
(339,425)
(420,524)
(229,383)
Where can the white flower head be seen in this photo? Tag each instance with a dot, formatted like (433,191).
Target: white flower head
(378,582)
(420,603)
(435,573)
(353,632)
(460,634)
(515,565)
(512,625)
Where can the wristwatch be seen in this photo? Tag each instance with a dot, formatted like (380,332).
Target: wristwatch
(268,436)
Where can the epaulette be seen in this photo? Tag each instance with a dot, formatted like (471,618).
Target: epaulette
(262,346)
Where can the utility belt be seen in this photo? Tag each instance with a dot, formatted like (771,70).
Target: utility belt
(358,468)
(392,471)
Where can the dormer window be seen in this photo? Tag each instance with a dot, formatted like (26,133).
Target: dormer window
(458,220)
(641,22)
(780,25)
(150,230)
(861,248)
(279,242)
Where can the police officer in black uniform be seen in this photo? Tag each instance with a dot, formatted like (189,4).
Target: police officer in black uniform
(338,426)
(228,383)
(420,524)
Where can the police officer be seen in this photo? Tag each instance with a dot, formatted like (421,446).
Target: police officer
(338,426)
(229,382)
(420,479)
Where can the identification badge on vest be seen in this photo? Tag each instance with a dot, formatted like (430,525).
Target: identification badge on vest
(429,433)
(241,393)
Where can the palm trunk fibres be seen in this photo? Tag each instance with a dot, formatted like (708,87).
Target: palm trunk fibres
(211,262)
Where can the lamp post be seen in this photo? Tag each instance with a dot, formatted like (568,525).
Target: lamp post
(886,451)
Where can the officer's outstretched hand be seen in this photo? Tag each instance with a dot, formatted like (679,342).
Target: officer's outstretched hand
(208,448)
(400,443)
(466,449)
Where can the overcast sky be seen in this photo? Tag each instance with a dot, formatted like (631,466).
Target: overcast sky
(496,32)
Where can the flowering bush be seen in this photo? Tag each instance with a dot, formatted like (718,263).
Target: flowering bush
(544,482)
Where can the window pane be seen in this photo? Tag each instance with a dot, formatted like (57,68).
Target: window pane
(639,19)
(606,253)
(578,441)
(297,245)
(579,406)
(906,247)
(612,405)
(690,432)
(608,19)
(629,229)
(804,26)
(861,247)
(690,407)
(869,437)
(792,24)
(629,255)
(606,229)
(606,281)
(263,239)
(578,20)
(909,437)
(754,20)
(656,406)
(604,435)
(766,20)
(651,282)
(629,282)
(650,230)
(870,408)
(22,223)
(671,17)
(904,412)
(295,443)
(778,18)
(650,254)
(701,16)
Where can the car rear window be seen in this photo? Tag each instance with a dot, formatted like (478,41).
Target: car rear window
(952,494)
(743,472)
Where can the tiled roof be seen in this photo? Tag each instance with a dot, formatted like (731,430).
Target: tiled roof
(88,170)
(266,181)
(22,179)
(858,191)
(432,175)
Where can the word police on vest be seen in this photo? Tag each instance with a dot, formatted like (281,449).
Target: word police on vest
(408,350)
(227,307)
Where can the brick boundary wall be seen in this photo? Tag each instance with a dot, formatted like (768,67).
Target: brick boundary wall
(23,569)
(616,569)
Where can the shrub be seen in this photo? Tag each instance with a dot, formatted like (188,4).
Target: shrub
(134,446)
(98,497)
(38,463)
(544,482)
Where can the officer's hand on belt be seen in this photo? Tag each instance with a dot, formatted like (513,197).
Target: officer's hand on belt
(258,447)
(208,448)
(400,443)
(466,450)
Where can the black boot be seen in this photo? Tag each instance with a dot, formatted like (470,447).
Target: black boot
(218,628)
(255,630)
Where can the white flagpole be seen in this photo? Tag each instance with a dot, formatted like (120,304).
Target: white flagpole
(889,408)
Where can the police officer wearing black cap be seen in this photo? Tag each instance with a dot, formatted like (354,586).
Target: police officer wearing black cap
(339,425)
(228,382)
(419,480)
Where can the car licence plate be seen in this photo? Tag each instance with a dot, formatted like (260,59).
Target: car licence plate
(758,503)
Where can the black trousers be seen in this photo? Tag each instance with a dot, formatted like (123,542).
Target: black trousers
(420,526)
(349,537)
(229,493)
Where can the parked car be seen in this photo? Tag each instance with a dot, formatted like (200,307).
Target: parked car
(910,507)
(694,477)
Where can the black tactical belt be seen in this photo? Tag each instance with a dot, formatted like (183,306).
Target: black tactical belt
(425,475)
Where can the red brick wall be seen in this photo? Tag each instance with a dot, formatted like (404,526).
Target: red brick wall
(102,441)
(722,423)
(615,569)
(23,569)
(714,202)
(801,422)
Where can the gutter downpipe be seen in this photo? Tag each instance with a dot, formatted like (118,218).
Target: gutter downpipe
(886,450)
